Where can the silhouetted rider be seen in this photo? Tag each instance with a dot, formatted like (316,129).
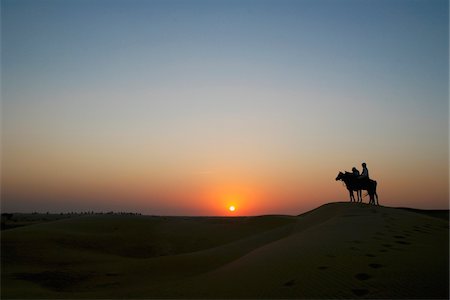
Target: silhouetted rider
(365,172)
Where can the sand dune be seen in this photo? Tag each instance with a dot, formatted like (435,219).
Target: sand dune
(339,250)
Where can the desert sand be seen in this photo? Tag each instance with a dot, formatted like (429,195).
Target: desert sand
(339,250)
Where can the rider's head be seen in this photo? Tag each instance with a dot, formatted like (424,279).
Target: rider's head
(364,165)
(353,169)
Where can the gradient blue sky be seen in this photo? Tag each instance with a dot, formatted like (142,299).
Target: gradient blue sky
(117,104)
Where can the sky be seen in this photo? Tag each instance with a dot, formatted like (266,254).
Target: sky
(188,107)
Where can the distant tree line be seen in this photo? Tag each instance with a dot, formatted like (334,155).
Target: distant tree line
(7,216)
(72,213)
(120,213)
(47,216)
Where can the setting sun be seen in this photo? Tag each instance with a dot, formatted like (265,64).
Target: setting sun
(232,208)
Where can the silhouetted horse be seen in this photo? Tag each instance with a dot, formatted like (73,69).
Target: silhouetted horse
(353,183)
(350,187)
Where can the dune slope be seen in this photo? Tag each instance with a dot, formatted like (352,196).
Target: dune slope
(339,250)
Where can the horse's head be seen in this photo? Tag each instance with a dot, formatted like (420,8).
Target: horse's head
(340,176)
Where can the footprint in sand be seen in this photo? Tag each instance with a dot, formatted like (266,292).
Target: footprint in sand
(421,229)
(360,292)
(399,236)
(108,284)
(362,276)
(290,283)
(322,267)
(403,242)
(375,265)
(370,255)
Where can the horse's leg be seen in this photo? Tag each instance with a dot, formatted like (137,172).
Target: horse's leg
(352,197)
(372,198)
(373,192)
(360,196)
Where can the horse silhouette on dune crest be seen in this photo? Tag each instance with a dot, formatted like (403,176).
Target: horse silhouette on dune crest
(354,183)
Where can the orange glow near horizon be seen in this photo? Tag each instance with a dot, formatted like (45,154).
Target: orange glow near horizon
(65,179)
(282,191)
